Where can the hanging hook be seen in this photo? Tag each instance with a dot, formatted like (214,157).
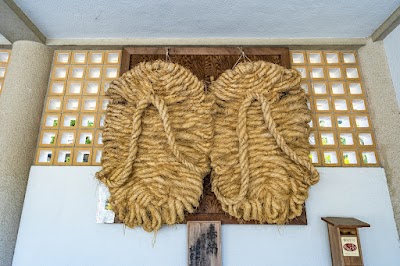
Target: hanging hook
(167,57)
(242,56)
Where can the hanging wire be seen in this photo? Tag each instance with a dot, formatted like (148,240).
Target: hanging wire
(153,241)
(242,56)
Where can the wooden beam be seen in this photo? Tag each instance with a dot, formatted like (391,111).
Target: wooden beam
(387,26)
(16,26)
(296,42)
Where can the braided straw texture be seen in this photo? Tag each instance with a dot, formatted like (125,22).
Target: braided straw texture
(157,140)
(260,165)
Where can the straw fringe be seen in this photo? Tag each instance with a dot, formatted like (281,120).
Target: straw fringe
(157,139)
(159,132)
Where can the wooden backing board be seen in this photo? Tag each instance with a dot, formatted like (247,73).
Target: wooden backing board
(204,243)
(207,63)
(223,57)
(211,209)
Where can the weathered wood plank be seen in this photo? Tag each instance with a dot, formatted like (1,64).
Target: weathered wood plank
(204,243)
(337,258)
(345,222)
(125,61)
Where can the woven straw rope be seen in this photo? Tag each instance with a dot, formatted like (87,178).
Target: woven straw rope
(259,158)
(157,139)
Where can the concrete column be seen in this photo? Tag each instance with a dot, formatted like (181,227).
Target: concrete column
(385,115)
(21,106)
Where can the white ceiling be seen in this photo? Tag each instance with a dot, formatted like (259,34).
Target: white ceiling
(3,40)
(207,18)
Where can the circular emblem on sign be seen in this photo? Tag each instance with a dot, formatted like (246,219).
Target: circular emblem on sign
(349,247)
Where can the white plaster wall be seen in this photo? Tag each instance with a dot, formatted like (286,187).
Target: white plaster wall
(207,18)
(58,226)
(392,49)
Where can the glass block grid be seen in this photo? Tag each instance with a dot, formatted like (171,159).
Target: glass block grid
(341,130)
(73,119)
(4,59)
(72,122)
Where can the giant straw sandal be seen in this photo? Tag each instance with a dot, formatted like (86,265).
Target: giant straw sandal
(260,165)
(157,138)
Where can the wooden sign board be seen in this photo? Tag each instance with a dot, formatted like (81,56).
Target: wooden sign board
(204,243)
(344,240)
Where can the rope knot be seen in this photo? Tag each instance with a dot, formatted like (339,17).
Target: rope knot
(150,95)
(252,95)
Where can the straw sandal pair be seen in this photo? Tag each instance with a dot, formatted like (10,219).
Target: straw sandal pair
(163,134)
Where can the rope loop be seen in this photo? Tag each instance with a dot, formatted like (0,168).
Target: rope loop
(243,137)
(119,178)
(157,139)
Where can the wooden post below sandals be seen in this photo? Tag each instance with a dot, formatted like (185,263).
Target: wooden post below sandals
(204,243)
